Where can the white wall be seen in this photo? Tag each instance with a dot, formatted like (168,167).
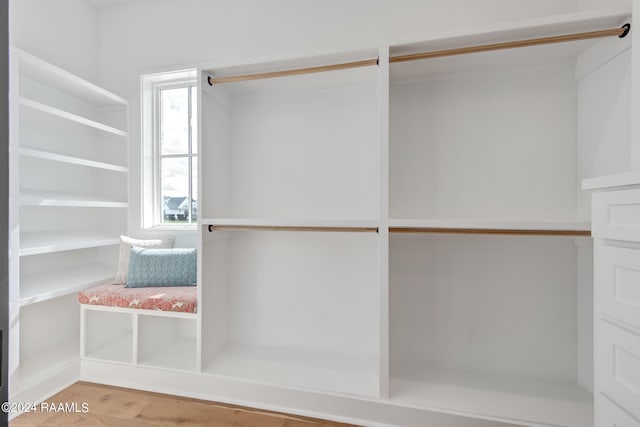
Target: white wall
(604,4)
(156,35)
(63,32)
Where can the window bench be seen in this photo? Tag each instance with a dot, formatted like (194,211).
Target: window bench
(179,299)
(153,326)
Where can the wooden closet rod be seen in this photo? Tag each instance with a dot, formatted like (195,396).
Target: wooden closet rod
(292,228)
(499,231)
(620,32)
(293,72)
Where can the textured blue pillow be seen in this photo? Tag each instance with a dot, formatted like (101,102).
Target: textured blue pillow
(161,267)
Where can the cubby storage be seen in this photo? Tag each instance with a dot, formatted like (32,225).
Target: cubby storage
(167,342)
(108,335)
(68,189)
(296,309)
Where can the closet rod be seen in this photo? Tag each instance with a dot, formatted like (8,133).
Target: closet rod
(498,231)
(291,228)
(293,72)
(620,32)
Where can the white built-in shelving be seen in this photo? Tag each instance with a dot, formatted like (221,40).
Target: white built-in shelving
(471,292)
(406,237)
(52,198)
(43,242)
(140,337)
(65,115)
(68,208)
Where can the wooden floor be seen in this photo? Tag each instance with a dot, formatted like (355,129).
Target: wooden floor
(115,406)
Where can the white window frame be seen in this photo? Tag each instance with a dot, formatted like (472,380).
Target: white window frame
(151,199)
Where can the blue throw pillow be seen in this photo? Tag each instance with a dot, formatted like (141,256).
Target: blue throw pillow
(161,267)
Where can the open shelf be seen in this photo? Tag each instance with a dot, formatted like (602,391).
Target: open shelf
(304,315)
(55,78)
(493,326)
(108,336)
(501,398)
(167,342)
(117,350)
(38,106)
(42,242)
(46,155)
(50,198)
(51,284)
(298,369)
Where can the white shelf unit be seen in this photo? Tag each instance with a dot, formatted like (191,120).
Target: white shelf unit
(43,242)
(483,235)
(294,309)
(69,199)
(500,326)
(139,337)
(280,158)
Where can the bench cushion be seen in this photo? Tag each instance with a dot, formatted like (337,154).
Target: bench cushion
(165,298)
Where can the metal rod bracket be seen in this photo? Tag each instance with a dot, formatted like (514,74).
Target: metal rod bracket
(627,28)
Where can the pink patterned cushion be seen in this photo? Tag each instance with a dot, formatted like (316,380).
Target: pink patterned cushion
(166,298)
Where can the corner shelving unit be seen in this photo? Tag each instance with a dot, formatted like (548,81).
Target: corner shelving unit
(69,204)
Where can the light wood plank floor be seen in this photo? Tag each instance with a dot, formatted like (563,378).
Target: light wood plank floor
(116,406)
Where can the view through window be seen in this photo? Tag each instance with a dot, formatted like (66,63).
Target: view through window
(176,186)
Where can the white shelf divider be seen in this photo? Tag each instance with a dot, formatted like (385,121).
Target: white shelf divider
(38,106)
(42,198)
(46,155)
(42,242)
(52,284)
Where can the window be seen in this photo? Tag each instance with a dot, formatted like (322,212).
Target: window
(170,150)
